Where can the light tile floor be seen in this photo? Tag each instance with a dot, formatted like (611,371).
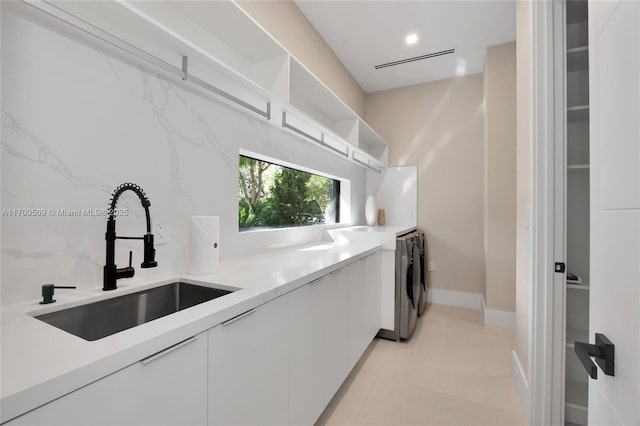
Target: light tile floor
(453,371)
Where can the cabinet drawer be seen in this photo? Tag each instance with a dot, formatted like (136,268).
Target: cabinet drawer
(168,388)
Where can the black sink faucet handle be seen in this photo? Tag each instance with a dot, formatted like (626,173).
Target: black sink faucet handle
(47,292)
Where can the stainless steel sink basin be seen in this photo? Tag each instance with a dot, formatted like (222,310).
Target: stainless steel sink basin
(96,320)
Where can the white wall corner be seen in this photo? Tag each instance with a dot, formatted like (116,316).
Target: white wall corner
(495,318)
(522,385)
(454,298)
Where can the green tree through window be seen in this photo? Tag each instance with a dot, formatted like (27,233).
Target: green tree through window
(273,196)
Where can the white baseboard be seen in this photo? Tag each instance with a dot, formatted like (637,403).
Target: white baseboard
(494,318)
(454,298)
(522,384)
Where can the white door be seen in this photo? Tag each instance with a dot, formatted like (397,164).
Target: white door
(614,39)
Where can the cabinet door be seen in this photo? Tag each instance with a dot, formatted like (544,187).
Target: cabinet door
(363,292)
(248,361)
(356,293)
(169,388)
(372,288)
(318,337)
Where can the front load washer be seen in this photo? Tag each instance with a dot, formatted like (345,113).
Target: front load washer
(424,261)
(407,283)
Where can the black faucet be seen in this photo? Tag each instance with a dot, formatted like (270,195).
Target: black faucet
(111,272)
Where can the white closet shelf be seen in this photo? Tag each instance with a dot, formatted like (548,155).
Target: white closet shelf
(578,167)
(575,82)
(578,114)
(578,108)
(576,334)
(578,59)
(577,393)
(578,286)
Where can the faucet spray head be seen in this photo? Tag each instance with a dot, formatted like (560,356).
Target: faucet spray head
(149,252)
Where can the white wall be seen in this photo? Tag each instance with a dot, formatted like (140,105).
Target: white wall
(438,126)
(76,123)
(522,182)
(500,176)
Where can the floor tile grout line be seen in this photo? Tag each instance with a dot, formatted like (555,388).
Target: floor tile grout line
(447,395)
(364,400)
(420,386)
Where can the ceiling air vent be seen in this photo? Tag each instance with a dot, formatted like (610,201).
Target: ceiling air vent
(415,58)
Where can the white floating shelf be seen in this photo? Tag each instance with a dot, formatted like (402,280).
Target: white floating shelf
(212,28)
(152,35)
(197,45)
(366,160)
(370,142)
(298,123)
(311,96)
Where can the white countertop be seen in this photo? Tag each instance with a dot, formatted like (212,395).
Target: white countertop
(395,230)
(382,235)
(41,362)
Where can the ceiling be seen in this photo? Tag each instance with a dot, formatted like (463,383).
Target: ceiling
(368,33)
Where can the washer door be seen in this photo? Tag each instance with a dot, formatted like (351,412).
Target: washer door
(411,295)
(417,276)
(413,275)
(422,300)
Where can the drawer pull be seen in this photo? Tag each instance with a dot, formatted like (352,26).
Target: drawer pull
(168,350)
(317,280)
(239,317)
(337,270)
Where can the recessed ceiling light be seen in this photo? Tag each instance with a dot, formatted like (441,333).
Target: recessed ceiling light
(411,38)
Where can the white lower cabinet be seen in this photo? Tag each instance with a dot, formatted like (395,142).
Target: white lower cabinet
(330,326)
(373,295)
(279,363)
(168,388)
(248,367)
(318,337)
(363,291)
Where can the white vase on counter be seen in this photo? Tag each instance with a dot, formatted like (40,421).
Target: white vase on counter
(370,210)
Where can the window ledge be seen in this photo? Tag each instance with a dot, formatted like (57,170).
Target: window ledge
(292,228)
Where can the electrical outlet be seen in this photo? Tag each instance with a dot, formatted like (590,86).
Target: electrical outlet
(431,266)
(160,236)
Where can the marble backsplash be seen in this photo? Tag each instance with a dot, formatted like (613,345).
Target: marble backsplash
(77,122)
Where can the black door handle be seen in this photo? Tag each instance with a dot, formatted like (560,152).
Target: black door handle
(602,351)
